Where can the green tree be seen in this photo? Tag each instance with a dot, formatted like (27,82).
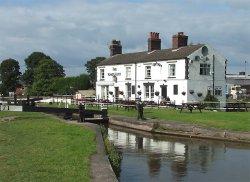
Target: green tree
(91,69)
(70,85)
(32,62)
(45,74)
(9,75)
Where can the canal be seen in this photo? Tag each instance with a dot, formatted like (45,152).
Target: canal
(148,157)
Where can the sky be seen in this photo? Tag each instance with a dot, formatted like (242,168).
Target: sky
(75,31)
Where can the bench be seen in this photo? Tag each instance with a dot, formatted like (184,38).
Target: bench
(192,106)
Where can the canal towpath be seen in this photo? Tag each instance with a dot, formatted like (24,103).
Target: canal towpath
(101,169)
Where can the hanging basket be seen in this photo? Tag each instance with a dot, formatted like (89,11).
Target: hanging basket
(191,91)
(199,94)
(157,93)
(183,93)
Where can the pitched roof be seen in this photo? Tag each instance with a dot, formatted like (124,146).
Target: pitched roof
(157,55)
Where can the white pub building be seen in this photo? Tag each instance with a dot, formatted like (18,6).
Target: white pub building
(183,73)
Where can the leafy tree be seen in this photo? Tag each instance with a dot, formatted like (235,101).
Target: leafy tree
(45,74)
(32,62)
(91,69)
(70,85)
(10,75)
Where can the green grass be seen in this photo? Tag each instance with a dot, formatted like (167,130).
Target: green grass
(38,147)
(235,121)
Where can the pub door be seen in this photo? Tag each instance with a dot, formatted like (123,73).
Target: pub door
(164,91)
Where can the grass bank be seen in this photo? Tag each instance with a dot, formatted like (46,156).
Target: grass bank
(234,121)
(38,147)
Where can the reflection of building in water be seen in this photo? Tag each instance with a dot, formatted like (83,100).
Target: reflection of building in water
(130,141)
(154,164)
(179,166)
(182,157)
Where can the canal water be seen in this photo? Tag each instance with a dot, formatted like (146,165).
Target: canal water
(149,157)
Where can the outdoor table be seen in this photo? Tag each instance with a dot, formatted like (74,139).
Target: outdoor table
(236,106)
(127,107)
(191,106)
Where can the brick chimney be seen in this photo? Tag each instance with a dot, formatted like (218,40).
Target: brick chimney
(154,41)
(179,40)
(115,47)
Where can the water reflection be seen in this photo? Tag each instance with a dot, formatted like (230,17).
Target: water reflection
(151,159)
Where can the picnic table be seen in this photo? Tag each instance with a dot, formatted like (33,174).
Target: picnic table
(236,106)
(128,107)
(192,106)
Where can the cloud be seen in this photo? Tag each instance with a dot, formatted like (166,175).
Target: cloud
(75,31)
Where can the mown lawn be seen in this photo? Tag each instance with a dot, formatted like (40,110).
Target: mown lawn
(38,147)
(235,121)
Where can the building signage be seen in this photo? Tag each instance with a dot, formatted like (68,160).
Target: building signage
(114,74)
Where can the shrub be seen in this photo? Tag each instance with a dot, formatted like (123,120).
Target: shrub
(212,101)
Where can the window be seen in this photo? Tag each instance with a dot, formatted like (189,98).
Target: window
(102,74)
(148,71)
(175,89)
(204,69)
(115,79)
(133,89)
(172,70)
(218,92)
(128,86)
(149,90)
(128,72)
(152,91)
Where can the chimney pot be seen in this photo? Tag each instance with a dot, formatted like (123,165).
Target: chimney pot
(179,40)
(115,47)
(154,41)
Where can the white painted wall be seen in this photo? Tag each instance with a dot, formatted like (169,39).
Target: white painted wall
(160,76)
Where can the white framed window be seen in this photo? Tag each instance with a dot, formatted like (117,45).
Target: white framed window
(149,90)
(171,69)
(204,69)
(175,87)
(148,71)
(129,89)
(152,91)
(102,75)
(128,72)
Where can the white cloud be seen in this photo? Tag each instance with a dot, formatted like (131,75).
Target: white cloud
(74,31)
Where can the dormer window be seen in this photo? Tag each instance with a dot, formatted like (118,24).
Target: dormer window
(148,72)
